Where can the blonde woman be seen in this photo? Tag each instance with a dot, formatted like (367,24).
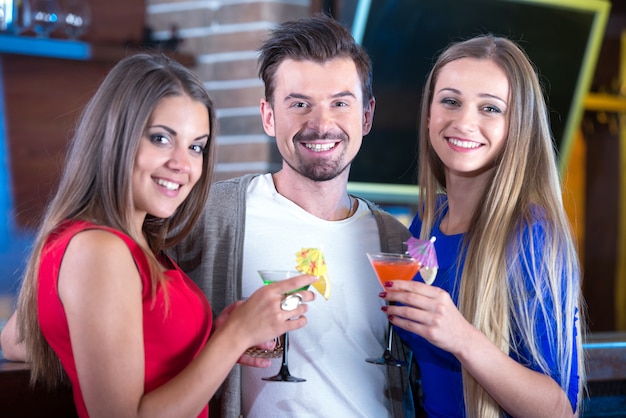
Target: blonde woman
(498,333)
(101,303)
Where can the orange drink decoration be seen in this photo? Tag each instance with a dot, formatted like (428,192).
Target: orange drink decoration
(311,261)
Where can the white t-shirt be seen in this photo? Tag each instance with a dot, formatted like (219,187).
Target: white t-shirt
(330,351)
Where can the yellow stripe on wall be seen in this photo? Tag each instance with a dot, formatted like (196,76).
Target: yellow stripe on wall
(620,268)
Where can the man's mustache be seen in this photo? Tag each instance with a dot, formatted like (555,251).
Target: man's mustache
(313,135)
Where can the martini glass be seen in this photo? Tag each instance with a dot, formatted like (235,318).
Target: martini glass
(271,276)
(389,267)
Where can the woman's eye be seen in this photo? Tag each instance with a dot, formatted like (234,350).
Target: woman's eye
(199,149)
(449,101)
(159,139)
(492,109)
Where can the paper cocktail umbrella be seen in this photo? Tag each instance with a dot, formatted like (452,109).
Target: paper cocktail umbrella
(311,261)
(424,252)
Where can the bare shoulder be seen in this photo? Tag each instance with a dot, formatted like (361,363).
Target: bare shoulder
(96,261)
(96,244)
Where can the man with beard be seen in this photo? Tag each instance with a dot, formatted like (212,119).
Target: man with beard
(318,105)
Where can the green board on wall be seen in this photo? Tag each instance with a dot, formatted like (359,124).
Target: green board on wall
(403,37)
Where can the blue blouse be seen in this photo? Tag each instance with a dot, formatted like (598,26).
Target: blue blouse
(440,371)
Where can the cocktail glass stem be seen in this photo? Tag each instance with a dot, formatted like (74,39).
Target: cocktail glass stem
(387,358)
(271,276)
(284,375)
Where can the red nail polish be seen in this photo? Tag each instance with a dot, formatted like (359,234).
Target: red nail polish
(390,317)
(384,308)
(382,294)
(388,284)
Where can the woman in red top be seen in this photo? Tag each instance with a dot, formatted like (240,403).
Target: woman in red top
(101,303)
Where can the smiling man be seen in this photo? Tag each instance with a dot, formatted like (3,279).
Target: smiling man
(318,105)
(318,121)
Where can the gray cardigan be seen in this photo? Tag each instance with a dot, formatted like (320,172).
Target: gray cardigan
(213,255)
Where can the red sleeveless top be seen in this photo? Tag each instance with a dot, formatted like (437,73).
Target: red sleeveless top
(171,340)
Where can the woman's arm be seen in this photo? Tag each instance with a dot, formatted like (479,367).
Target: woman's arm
(100,288)
(12,348)
(431,313)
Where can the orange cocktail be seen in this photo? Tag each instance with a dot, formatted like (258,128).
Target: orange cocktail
(393,266)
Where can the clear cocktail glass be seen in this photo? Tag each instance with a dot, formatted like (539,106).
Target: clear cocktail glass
(282,344)
(389,267)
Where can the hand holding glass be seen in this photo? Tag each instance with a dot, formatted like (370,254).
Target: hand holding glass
(282,343)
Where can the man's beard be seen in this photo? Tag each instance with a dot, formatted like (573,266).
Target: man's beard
(319,170)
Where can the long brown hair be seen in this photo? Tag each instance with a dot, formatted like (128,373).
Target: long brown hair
(95,184)
(525,187)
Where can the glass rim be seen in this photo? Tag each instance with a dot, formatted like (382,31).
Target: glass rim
(286,271)
(391,255)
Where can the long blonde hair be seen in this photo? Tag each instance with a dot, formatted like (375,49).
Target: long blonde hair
(494,290)
(95,184)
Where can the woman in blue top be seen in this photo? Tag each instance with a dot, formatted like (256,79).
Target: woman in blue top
(499,331)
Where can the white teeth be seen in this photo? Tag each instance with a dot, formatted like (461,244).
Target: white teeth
(463,144)
(168,184)
(320,147)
